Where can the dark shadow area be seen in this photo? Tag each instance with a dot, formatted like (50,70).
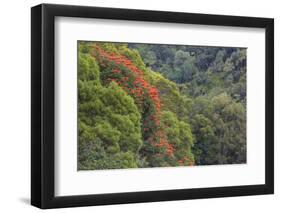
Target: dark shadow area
(25,200)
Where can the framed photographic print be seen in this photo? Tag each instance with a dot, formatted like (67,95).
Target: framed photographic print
(139,106)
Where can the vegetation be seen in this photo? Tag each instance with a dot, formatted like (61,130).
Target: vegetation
(143,105)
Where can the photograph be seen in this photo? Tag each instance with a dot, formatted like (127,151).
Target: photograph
(146,105)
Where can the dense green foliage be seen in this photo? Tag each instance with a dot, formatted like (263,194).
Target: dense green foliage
(109,122)
(144,105)
(213,79)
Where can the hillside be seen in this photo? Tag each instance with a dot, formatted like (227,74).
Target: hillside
(158,106)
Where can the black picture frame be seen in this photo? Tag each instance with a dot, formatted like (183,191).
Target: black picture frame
(43,105)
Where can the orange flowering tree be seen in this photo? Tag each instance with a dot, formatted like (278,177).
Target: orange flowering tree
(157,150)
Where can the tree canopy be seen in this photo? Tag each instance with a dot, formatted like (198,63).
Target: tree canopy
(145,105)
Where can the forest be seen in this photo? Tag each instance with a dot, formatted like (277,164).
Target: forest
(159,105)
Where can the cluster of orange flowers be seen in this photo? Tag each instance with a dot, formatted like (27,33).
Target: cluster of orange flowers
(185,161)
(136,86)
